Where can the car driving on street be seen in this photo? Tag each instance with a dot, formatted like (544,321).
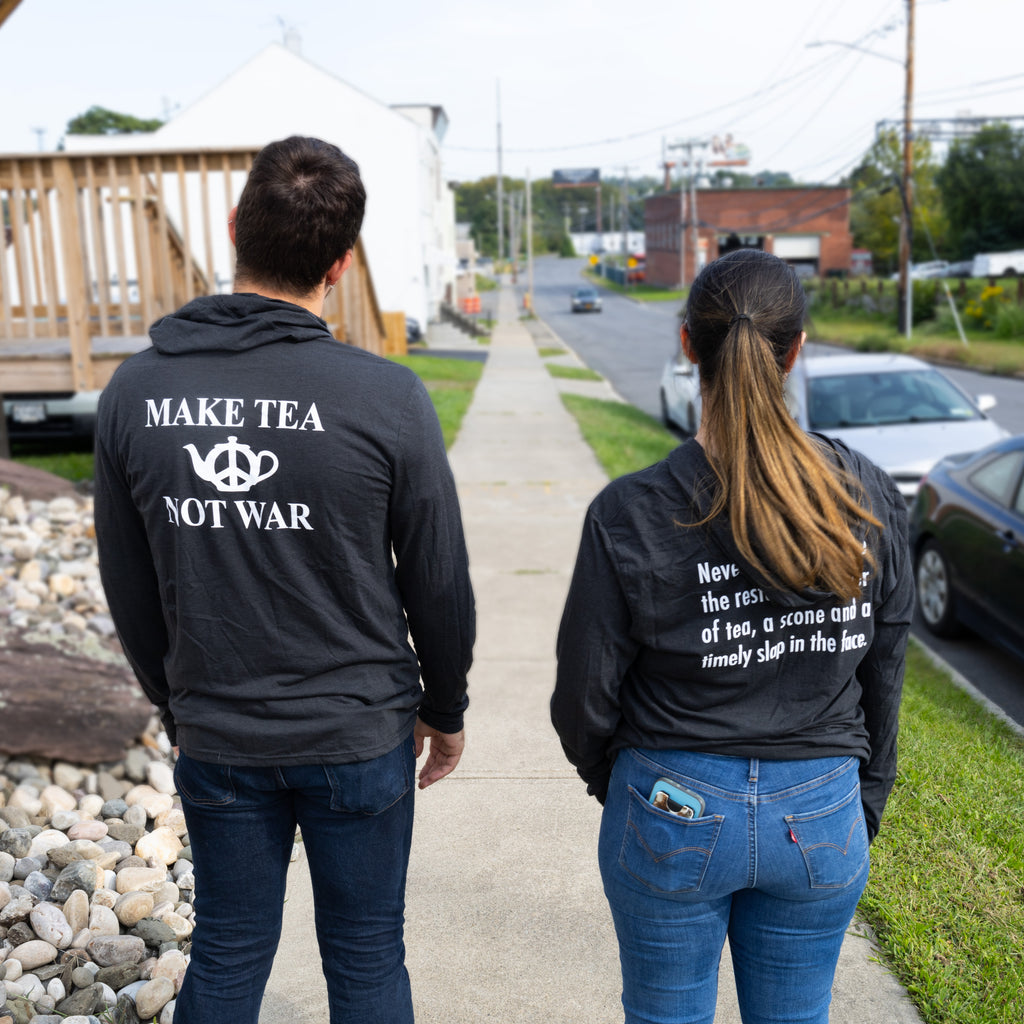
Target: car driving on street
(586,300)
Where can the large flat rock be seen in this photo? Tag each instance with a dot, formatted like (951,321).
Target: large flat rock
(31,483)
(64,705)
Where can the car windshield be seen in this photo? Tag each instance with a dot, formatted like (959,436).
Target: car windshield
(880,399)
(586,293)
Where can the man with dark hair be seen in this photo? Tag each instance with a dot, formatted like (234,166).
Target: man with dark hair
(276,516)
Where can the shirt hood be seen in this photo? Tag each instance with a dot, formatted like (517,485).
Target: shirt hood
(234,323)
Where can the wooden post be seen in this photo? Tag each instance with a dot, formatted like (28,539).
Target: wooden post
(74,275)
(99,246)
(186,233)
(20,238)
(143,263)
(160,235)
(117,213)
(48,245)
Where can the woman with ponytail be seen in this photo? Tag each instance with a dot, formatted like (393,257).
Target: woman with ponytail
(730,661)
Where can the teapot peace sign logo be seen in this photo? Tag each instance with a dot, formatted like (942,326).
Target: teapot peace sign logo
(232,467)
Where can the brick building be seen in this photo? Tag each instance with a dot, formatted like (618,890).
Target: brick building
(807,227)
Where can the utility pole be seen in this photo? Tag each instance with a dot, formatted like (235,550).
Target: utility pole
(689,145)
(695,234)
(906,285)
(625,224)
(513,237)
(529,242)
(501,198)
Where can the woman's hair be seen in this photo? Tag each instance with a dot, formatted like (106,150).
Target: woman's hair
(301,209)
(800,519)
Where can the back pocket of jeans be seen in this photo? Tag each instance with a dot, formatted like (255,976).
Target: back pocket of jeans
(203,783)
(833,841)
(663,851)
(371,787)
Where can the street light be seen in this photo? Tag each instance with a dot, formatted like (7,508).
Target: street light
(905,312)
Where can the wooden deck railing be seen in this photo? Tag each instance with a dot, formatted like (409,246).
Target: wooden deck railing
(95,247)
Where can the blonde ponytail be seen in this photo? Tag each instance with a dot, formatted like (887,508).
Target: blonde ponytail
(797,517)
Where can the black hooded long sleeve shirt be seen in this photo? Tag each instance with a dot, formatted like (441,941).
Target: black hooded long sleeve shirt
(670,640)
(276,516)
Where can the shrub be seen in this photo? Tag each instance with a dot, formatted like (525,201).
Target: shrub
(874,343)
(923,301)
(1009,321)
(984,310)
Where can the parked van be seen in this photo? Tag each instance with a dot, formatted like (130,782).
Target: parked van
(998,264)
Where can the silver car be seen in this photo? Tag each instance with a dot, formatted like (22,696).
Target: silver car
(900,412)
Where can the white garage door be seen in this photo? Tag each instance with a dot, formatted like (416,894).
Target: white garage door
(797,247)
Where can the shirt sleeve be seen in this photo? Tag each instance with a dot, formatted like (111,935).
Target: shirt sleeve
(880,674)
(129,578)
(432,564)
(594,650)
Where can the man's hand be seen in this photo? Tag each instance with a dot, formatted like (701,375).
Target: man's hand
(445,750)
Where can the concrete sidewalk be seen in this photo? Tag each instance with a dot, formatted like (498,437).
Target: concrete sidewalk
(506,921)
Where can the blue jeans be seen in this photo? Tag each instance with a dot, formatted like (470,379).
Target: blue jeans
(356,822)
(777,862)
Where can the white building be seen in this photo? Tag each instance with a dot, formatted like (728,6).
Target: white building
(409,229)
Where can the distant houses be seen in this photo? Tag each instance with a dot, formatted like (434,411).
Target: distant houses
(409,230)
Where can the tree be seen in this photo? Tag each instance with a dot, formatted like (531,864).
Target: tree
(877,209)
(557,210)
(100,121)
(730,177)
(982,185)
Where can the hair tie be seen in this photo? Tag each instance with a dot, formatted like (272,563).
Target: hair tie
(741,316)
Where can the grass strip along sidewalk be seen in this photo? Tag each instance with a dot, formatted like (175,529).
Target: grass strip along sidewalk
(946,895)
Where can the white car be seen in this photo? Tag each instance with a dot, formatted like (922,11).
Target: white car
(900,412)
(924,271)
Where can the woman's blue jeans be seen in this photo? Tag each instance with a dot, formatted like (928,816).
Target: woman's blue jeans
(777,862)
(356,822)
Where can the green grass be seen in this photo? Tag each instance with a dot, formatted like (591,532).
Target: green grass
(946,895)
(451,383)
(550,350)
(573,372)
(936,339)
(624,439)
(75,465)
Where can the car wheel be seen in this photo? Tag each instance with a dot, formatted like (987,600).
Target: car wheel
(935,595)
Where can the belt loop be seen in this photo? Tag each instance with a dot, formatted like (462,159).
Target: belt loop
(754,764)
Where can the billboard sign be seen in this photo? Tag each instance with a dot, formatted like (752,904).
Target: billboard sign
(725,152)
(575,177)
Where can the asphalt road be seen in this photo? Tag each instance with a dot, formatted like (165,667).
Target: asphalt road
(629,343)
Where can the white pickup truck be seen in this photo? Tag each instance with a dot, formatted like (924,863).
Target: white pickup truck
(998,264)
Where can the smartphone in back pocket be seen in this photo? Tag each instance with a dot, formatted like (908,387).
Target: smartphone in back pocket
(670,797)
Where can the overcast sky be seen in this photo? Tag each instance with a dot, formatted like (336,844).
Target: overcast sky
(583,83)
